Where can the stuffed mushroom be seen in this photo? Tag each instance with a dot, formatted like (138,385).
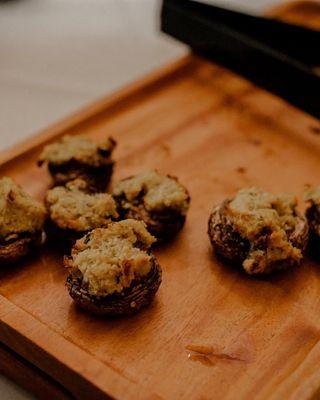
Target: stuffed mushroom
(260,231)
(112,271)
(79,157)
(161,201)
(73,211)
(21,222)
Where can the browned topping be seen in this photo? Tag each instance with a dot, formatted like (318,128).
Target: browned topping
(256,214)
(71,207)
(79,148)
(110,259)
(158,191)
(19,212)
(312,194)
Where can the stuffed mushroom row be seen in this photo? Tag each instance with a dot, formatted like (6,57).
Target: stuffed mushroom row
(112,270)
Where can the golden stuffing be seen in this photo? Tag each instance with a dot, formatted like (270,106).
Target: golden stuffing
(109,259)
(71,207)
(79,148)
(19,212)
(159,192)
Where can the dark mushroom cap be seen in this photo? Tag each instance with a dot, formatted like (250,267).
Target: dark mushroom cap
(226,240)
(97,178)
(163,219)
(313,217)
(16,249)
(164,226)
(235,248)
(63,238)
(129,301)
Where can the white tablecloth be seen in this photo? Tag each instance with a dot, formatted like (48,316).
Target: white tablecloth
(58,55)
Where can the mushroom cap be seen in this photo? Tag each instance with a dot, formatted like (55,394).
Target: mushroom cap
(129,301)
(16,249)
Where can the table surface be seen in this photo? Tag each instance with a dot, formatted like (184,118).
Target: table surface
(58,55)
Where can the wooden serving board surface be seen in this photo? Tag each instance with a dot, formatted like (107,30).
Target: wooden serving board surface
(217,133)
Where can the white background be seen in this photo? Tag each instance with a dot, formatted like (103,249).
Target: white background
(58,55)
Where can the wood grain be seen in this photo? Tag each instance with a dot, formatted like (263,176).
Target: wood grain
(253,338)
(30,378)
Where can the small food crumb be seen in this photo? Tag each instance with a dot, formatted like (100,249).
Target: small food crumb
(269,152)
(315,129)
(241,170)
(255,142)
(166,149)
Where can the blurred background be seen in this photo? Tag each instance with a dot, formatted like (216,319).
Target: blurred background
(58,55)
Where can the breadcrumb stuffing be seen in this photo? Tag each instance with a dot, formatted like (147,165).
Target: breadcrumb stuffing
(79,148)
(312,194)
(19,212)
(109,259)
(71,207)
(158,192)
(255,213)
(253,209)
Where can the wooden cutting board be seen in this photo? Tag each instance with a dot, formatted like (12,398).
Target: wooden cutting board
(256,338)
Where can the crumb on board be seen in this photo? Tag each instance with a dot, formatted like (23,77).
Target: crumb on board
(315,130)
(255,142)
(269,152)
(166,149)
